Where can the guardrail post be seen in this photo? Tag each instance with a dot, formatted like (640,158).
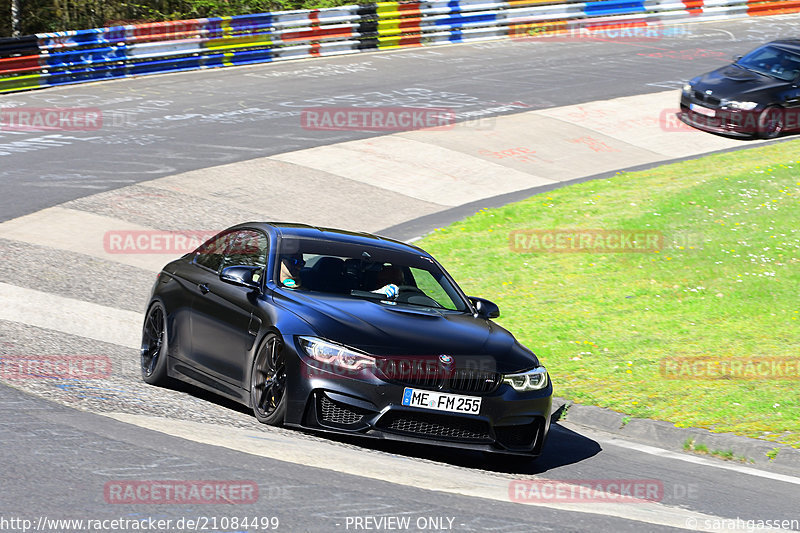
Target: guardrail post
(15,31)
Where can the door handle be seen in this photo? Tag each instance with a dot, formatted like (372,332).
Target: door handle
(203,288)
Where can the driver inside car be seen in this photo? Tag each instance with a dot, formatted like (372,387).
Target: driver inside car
(389,279)
(290,270)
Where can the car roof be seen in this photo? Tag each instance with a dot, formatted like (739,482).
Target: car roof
(292,229)
(792,45)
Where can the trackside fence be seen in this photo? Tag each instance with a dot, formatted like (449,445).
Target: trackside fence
(60,58)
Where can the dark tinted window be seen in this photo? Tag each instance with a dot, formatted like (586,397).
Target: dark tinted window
(246,248)
(211,253)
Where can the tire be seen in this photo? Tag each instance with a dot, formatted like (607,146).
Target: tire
(770,123)
(154,345)
(268,382)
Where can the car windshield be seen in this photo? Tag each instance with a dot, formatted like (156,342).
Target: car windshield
(384,275)
(772,61)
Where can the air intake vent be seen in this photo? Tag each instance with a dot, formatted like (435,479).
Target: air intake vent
(435,426)
(334,413)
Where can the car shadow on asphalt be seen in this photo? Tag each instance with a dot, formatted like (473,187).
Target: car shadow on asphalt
(563,446)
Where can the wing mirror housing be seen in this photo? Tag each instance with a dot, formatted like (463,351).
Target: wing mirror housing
(242,276)
(484,307)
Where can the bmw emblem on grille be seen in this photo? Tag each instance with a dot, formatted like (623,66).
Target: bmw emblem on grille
(445,359)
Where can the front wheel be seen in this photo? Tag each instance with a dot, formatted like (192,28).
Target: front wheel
(268,382)
(154,346)
(770,122)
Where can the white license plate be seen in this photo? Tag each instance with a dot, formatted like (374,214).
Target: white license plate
(700,110)
(441,401)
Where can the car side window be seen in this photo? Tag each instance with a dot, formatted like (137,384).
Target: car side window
(212,252)
(246,248)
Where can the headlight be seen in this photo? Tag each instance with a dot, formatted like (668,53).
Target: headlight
(687,88)
(734,104)
(535,379)
(335,354)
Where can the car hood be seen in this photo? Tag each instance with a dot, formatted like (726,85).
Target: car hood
(734,82)
(381,329)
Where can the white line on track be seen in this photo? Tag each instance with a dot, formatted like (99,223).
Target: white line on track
(68,315)
(687,458)
(408,472)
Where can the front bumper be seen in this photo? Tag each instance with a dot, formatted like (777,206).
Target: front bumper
(736,123)
(726,121)
(509,422)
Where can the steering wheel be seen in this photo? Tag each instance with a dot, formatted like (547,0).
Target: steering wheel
(407,292)
(410,288)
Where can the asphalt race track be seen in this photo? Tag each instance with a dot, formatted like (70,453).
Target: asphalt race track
(158,126)
(201,150)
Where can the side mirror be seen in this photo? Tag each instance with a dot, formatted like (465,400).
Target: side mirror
(737,58)
(485,308)
(242,276)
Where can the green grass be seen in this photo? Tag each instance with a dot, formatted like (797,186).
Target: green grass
(773,453)
(726,284)
(691,446)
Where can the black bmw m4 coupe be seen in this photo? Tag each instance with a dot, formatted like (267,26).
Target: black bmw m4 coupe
(343,332)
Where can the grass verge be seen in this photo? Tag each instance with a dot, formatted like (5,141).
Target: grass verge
(723,285)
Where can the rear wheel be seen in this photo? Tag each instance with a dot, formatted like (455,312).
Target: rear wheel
(268,382)
(154,346)
(770,122)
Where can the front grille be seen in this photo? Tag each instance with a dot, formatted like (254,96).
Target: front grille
(523,436)
(430,375)
(336,413)
(712,101)
(474,381)
(435,426)
(412,372)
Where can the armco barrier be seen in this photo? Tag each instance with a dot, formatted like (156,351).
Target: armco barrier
(61,58)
